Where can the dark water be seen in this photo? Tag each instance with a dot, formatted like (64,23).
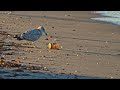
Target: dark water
(12,74)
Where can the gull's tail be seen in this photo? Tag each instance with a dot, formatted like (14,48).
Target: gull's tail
(18,37)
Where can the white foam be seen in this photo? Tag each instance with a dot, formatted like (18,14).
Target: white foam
(109,16)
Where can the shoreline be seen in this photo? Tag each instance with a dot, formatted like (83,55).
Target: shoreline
(89,48)
(104,21)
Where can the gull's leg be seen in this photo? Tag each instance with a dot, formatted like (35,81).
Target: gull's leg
(34,45)
(31,44)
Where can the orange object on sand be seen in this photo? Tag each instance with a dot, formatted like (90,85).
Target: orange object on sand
(49,45)
(53,46)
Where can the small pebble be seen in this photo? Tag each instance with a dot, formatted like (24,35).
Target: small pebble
(77,54)
(111,77)
(9,13)
(16,18)
(55,39)
(46,39)
(106,42)
(61,47)
(76,71)
(49,51)
(50,36)
(25,58)
(67,54)
(8,35)
(3,21)
(39,65)
(43,56)
(2,57)
(45,67)
(67,63)
(67,15)
(51,60)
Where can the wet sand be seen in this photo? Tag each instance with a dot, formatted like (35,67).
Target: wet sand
(88,48)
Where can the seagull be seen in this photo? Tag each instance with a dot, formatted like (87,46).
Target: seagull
(32,35)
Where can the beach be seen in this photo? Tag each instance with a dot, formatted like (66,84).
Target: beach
(88,49)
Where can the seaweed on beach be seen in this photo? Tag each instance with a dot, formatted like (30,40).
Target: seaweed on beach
(7,64)
(4,33)
(11,64)
(12,46)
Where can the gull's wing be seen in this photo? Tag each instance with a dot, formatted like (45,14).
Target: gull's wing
(32,35)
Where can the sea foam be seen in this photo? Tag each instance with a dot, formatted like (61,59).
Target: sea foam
(109,16)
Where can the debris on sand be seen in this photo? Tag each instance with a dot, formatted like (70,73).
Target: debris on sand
(53,46)
(11,64)
(49,45)
(46,39)
(4,33)
(4,63)
(9,48)
(67,15)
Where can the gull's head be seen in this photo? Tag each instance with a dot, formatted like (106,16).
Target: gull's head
(42,29)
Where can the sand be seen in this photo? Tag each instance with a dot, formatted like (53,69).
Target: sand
(87,48)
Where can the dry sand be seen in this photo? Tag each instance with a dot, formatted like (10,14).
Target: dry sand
(88,48)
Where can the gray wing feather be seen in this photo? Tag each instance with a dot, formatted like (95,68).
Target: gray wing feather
(32,35)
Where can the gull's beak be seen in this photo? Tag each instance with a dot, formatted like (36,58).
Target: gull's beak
(45,33)
(43,30)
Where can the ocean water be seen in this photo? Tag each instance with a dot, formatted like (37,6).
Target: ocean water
(109,16)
